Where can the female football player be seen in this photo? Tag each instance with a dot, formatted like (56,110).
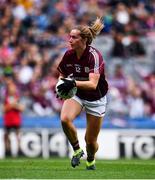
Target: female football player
(85,65)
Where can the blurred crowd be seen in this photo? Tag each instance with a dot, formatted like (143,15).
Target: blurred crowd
(33,39)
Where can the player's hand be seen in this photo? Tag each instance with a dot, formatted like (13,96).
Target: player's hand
(57,96)
(66,86)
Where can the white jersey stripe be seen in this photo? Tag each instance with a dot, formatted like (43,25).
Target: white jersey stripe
(96,57)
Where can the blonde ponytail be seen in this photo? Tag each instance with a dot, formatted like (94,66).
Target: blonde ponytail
(90,32)
(96,27)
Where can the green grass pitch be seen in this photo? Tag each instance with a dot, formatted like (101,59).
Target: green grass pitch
(59,168)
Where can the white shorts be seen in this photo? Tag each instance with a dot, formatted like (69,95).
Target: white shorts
(96,108)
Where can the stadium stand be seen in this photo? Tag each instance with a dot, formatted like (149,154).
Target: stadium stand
(33,38)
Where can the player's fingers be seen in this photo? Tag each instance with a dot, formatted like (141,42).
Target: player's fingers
(60,88)
(59,97)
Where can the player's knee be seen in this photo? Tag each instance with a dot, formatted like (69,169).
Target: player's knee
(90,141)
(65,119)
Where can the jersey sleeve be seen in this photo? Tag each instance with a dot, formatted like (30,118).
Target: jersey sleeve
(61,67)
(96,63)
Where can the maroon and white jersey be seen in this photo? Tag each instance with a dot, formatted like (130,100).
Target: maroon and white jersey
(90,62)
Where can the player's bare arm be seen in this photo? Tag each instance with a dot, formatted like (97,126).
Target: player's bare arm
(91,84)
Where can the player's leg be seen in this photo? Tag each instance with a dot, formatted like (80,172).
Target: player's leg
(7,142)
(95,111)
(70,110)
(17,132)
(94,124)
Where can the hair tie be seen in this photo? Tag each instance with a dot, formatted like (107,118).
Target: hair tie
(91,30)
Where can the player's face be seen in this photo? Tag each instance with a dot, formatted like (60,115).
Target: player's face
(76,40)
